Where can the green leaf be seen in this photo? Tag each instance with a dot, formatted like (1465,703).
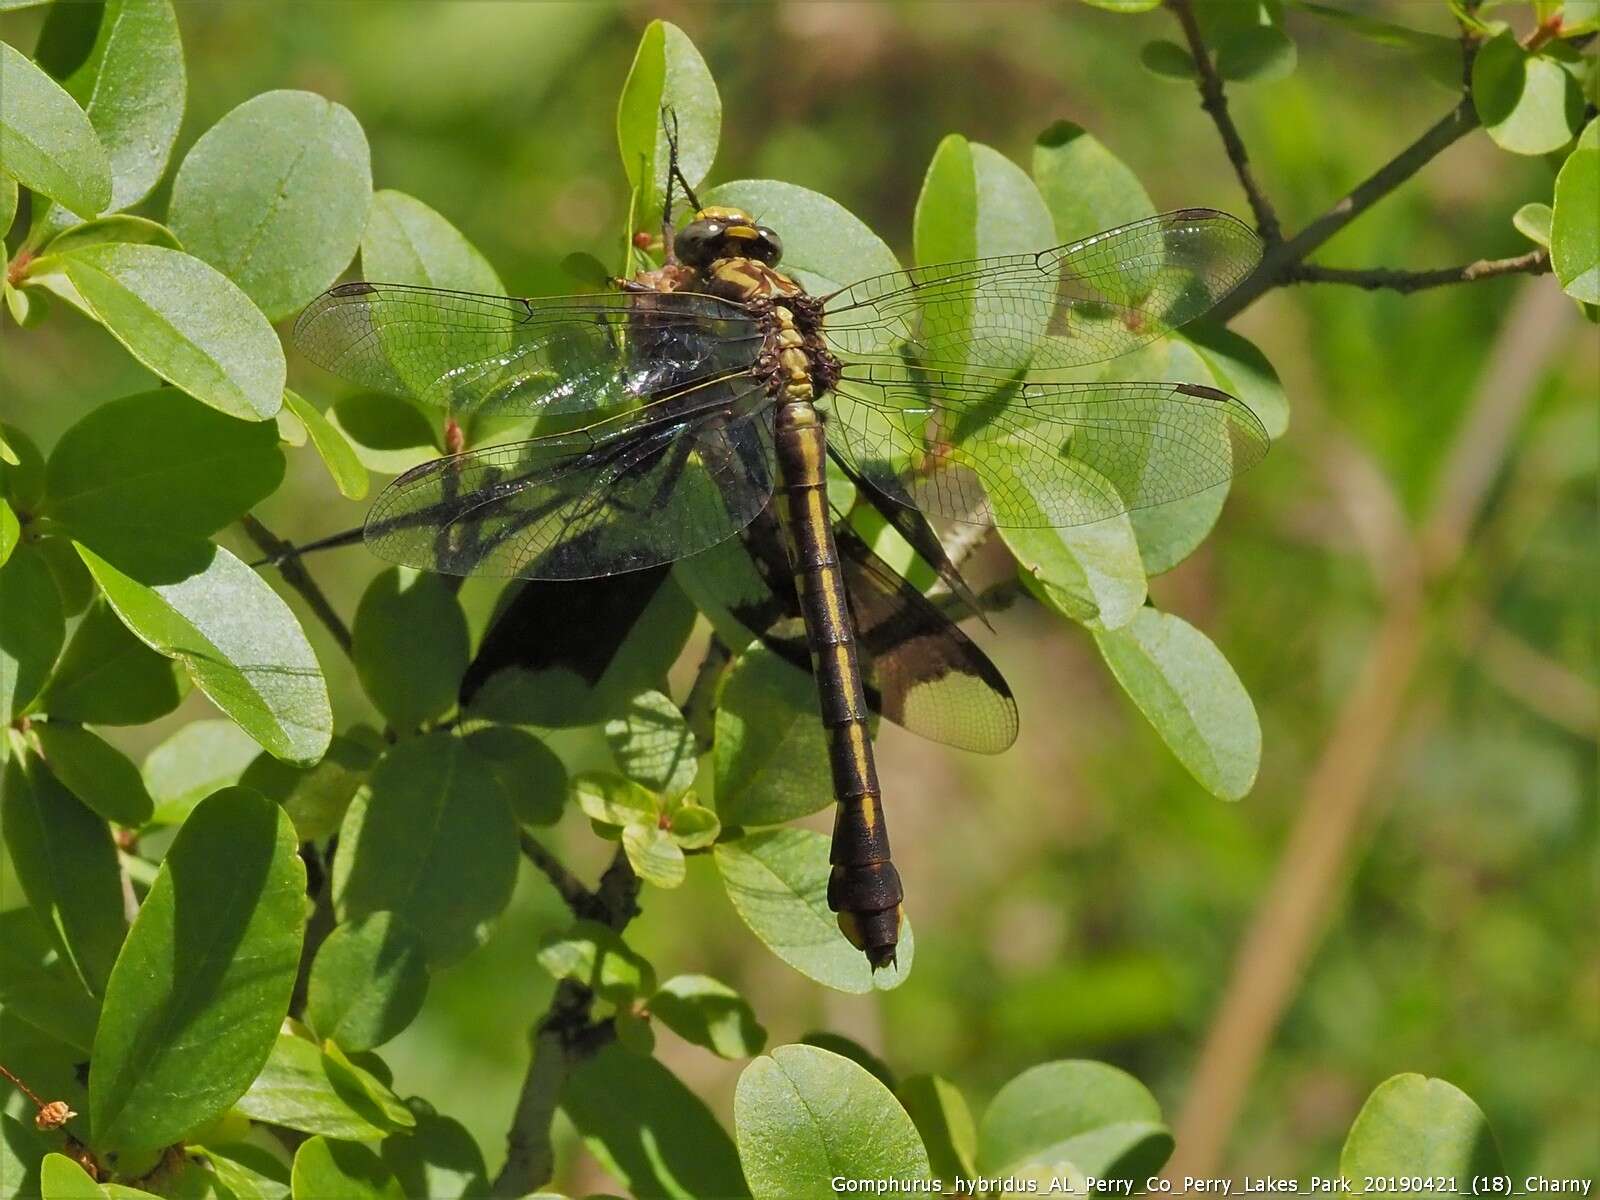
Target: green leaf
(38,985)
(248,1171)
(184,321)
(389,435)
(1530,103)
(449,885)
(131,84)
(1167,59)
(32,633)
(407,242)
(198,604)
(1436,56)
(22,1152)
(303,1088)
(1533,221)
(652,744)
(596,956)
(203,980)
(945,223)
(778,882)
(410,645)
(940,1113)
(159,461)
(46,140)
(275,196)
(693,826)
(60,1178)
(663,1142)
(1415,1127)
(8,203)
(825,245)
(1124,6)
(533,777)
(612,800)
(1188,692)
(1098,1119)
(1240,369)
(1091,574)
(838,1043)
(66,863)
(102,231)
(109,677)
(654,856)
(770,753)
(201,757)
(1085,186)
(1262,54)
(95,772)
(22,473)
(804,1117)
(368,982)
(323,1167)
(667,71)
(72,578)
(1574,226)
(709,1013)
(315,797)
(338,455)
(438,1158)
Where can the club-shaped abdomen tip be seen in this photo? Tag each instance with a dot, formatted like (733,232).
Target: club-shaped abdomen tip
(875,934)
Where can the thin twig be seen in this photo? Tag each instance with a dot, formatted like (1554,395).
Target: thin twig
(296,576)
(700,708)
(1280,259)
(568,886)
(1283,934)
(562,1039)
(1535,262)
(1215,102)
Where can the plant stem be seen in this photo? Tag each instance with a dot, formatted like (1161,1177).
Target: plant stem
(569,887)
(1535,262)
(296,576)
(564,1037)
(1279,262)
(1215,102)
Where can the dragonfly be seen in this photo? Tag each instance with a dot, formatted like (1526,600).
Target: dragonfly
(704,398)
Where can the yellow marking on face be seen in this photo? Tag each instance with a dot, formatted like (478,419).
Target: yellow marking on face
(741,233)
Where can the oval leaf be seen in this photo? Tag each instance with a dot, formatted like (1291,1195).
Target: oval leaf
(323,1167)
(159,461)
(825,245)
(652,744)
(437,1158)
(1188,692)
(667,72)
(118,227)
(654,856)
(1089,573)
(66,863)
(200,758)
(1529,102)
(1099,1119)
(1417,1127)
(940,1113)
(1085,186)
(95,772)
(1261,54)
(407,242)
(410,645)
(1574,228)
(275,196)
(315,797)
(709,1013)
(770,753)
(107,676)
(449,885)
(368,982)
(184,321)
(46,140)
(132,86)
(533,777)
(389,435)
(595,956)
(804,1117)
(198,604)
(203,980)
(778,882)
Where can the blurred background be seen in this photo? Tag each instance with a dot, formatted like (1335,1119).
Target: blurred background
(1082,896)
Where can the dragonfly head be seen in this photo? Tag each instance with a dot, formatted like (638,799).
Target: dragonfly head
(719,232)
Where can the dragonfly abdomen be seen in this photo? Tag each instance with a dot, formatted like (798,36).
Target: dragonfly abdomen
(864,887)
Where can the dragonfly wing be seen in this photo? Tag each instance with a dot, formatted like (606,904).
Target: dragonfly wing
(1034,455)
(918,669)
(1081,303)
(578,506)
(503,355)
